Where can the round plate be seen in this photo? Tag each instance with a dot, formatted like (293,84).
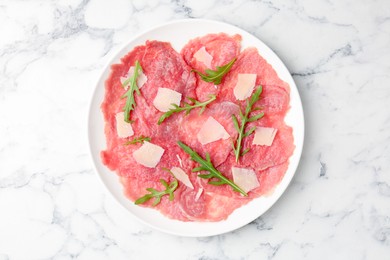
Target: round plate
(178,33)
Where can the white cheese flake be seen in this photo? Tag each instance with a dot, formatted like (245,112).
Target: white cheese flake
(203,56)
(182,176)
(123,128)
(198,194)
(179,159)
(246,179)
(264,136)
(141,79)
(212,131)
(245,85)
(148,154)
(165,98)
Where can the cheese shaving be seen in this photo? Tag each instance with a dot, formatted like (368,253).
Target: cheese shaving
(123,128)
(246,179)
(179,159)
(212,131)
(264,136)
(148,154)
(245,85)
(182,176)
(141,79)
(198,194)
(165,98)
(203,56)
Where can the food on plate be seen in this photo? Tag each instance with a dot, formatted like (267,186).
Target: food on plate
(198,132)
(222,48)
(245,118)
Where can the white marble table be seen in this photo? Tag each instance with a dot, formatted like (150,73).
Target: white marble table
(53,206)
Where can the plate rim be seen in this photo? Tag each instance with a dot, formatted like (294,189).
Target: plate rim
(286,180)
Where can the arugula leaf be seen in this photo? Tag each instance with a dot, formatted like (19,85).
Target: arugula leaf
(206,165)
(216,76)
(130,101)
(187,107)
(157,195)
(245,119)
(140,139)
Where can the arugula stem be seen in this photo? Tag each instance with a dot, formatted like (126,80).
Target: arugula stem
(216,76)
(130,101)
(157,195)
(203,104)
(240,136)
(141,139)
(245,118)
(187,107)
(206,165)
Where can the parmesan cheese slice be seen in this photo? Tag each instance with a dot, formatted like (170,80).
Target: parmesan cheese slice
(123,128)
(141,79)
(148,154)
(198,194)
(179,159)
(245,85)
(264,136)
(182,176)
(203,56)
(165,98)
(211,131)
(246,179)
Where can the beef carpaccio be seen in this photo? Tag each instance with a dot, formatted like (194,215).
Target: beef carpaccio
(168,76)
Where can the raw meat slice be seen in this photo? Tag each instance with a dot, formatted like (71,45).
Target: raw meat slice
(250,61)
(222,47)
(270,177)
(219,206)
(163,65)
(261,157)
(275,96)
(165,68)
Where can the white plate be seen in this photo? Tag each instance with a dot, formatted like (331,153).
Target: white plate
(178,33)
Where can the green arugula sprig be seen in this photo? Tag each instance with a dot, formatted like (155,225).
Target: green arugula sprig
(245,119)
(157,195)
(187,107)
(216,76)
(141,139)
(206,165)
(130,102)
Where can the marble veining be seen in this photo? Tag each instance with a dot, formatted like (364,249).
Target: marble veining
(53,206)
